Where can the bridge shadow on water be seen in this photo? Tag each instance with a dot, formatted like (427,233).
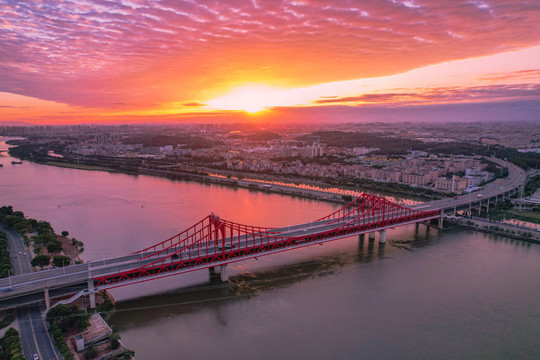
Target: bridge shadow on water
(214,294)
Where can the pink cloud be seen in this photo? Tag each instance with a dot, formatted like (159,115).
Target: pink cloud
(98,52)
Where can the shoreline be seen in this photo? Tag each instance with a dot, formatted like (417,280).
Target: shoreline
(254,183)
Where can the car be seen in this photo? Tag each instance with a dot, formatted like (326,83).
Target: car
(36,357)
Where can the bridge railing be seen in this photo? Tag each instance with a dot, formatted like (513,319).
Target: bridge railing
(214,240)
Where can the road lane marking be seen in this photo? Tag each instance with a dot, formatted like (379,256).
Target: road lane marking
(34,333)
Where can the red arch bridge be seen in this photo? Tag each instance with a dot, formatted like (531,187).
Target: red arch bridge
(212,242)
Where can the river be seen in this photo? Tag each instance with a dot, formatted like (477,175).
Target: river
(450,294)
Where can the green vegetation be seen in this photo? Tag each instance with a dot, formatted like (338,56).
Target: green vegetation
(506,210)
(90,353)
(192,142)
(262,136)
(128,354)
(62,320)
(65,233)
(41,260)
(532,186)
(385,187)
(54,246)
(60,342)
(106,307)
(115,341)
(68,318)
(5,261)
(392,145)
(61,260)
(45,233)
(79,245)
(6,321)
(11,345)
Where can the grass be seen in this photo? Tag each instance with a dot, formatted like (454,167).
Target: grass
(6,321)
(78,166)
(529,216)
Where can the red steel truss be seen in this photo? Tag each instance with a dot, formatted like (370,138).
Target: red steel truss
(214,241)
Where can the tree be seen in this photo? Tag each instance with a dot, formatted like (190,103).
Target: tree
(115,341)
(61,260)
(54,246)
(128,354)
(65,233)
(68,318)
(91,353)
(41,260)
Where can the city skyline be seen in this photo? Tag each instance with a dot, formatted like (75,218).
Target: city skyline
(160,61)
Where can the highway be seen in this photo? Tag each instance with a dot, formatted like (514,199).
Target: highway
(516,177)
(32,329)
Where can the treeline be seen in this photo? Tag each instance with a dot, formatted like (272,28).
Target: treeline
(45,233)
(63,319)
(388,187)
(192,142)
(45,238)
(400,146)
(532,186)
(35,151)
(5,262)
(394,146)
(11,345)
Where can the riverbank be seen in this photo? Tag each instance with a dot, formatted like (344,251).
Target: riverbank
(337,187)
(314,190)
(500,228)
(77,166)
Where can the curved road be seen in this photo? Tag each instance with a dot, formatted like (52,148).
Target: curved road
(516,178)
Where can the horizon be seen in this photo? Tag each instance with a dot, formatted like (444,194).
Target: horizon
(287,62)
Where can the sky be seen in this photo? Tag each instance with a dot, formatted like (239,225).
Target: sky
(128,61)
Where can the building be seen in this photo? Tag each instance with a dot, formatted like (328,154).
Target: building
(455,184)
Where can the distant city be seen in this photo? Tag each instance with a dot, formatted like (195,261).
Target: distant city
(439,158)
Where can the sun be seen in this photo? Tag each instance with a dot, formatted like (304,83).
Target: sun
(251,99)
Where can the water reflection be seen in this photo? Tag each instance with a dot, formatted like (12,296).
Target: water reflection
(251,282)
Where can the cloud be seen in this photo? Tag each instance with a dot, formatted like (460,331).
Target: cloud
(14,107)
(92,52)
(443,95)
(193,104)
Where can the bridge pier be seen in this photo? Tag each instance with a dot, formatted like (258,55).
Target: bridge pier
(371,236)
(441,220)
(91,294)
(382,236)
(223,273)
(361,237)
(220,270)
(480,207)
(47,299)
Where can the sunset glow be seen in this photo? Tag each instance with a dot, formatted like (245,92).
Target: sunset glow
(251,99)
(148,61)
